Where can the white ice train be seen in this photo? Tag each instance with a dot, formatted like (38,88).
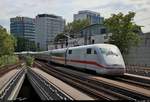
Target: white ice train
(104,59)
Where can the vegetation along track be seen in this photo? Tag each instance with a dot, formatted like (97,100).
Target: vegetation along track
(102,89)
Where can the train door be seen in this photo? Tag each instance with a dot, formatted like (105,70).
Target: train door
(91,58)
(65,55)
(82,58)
(50,57)
(69,56)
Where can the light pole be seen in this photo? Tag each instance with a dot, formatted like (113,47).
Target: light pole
(68,37)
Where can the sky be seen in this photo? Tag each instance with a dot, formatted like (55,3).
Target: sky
(66,9)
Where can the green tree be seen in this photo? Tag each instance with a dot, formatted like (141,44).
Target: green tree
(7,42)
(125,33)
(21,45)
(24,44)
(72,28)
(60,37)
(29,61)
(32,46)
(76,26)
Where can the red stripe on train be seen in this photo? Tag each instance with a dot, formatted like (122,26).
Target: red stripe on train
(80,61)
(56,58)
(88,62)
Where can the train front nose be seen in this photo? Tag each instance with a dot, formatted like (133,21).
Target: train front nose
(116,70)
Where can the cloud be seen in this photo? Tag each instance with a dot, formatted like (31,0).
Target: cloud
(107,7)
(66,8)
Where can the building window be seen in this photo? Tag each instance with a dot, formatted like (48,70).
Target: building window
(88,51)
(105,37)
(61,45)
(55,46)
(93,41)
(38,45)
(103,31)
(95,52)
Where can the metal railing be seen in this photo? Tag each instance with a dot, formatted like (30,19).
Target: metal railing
(139,70)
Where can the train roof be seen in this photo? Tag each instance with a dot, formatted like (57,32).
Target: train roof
(92,46)
(59,49)
(63,49)
(26,52)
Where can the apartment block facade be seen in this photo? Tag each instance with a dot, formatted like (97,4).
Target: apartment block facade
(46,28)
(23,27)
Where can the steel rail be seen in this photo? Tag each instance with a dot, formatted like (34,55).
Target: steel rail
(124,92)
(7,89)
(134,81)
(48,88)
(8,68)
(95,91)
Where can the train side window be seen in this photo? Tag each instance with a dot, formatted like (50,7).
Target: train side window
(95,52)
(70,52)
(88,51)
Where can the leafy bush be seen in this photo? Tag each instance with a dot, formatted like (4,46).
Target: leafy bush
(29,60)
(8,59)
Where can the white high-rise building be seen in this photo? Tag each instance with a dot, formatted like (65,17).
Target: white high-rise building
(46,28)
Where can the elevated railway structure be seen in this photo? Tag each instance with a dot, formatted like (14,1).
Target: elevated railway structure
(50,88)
(7,68)
(44,85)
(53,82)
(11,88)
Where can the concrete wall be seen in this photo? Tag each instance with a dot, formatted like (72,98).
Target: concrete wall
(140,55)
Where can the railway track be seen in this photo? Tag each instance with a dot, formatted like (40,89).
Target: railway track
(134,80)
(8,68)
(80,84)
(121,90)
(10,90)
(46,90)
(97,89)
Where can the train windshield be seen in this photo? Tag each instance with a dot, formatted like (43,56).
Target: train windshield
(112,55)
